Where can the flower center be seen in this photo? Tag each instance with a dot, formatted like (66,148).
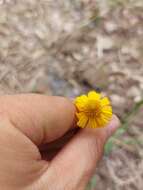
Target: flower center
(93,108)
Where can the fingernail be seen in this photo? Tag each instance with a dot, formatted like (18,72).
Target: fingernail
(113,125)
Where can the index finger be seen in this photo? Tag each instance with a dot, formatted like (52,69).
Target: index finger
(41,118)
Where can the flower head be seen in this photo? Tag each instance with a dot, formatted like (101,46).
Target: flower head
(93,110)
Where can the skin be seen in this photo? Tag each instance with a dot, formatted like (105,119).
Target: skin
(42,149)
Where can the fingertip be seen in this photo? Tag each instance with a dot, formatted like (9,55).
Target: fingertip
(103,133)
(61,118)
(68,109)
(113,125)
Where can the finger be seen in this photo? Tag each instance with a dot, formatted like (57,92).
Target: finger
(78,160)
(39,117)
(49,150)
(58,143)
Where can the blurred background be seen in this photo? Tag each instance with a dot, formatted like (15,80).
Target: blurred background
(68,47)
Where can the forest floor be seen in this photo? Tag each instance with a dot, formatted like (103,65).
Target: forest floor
(67,48)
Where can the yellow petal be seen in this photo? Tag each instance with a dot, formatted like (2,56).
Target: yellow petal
(92,123)
(79,115)
(103,123)
(107,110)
(105,101)
(82,120)
(99,122)
(94,95)
(81,101)
(105,119)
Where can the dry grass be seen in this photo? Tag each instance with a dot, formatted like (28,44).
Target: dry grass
(69,47)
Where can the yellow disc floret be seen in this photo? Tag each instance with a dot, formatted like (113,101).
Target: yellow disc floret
(93,110)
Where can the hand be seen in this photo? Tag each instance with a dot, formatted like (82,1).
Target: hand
(31,157)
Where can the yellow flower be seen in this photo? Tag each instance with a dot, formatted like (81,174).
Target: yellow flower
(93,110)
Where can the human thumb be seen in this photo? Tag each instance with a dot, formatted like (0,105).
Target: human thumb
(76,162)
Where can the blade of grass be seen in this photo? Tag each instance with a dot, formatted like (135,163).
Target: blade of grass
(133,112)
(124,126)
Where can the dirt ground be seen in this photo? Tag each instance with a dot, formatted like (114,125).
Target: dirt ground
(68,47)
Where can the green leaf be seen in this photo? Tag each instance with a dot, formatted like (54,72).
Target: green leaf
(92,183)
(108,147)
(119,132)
